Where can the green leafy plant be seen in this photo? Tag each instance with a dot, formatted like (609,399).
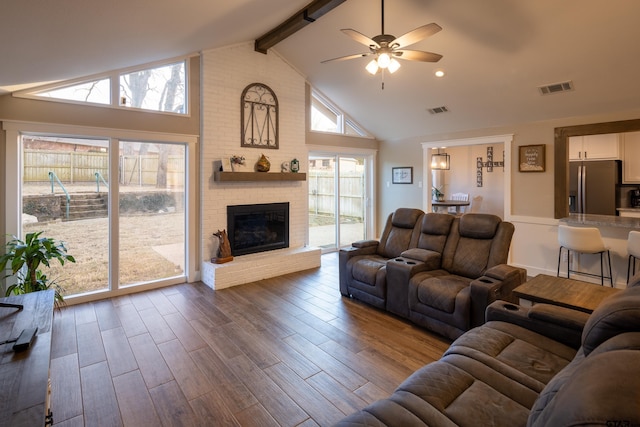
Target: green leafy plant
(25,259)
(436,194)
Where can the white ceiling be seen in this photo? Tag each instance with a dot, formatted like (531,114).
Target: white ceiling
(496,53)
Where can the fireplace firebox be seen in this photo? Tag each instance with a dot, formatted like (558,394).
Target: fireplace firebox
(258,228)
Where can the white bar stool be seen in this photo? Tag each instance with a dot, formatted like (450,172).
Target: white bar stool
(633,248)
(586,240)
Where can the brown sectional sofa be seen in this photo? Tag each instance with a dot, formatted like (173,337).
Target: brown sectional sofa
(542,366)
(438,270)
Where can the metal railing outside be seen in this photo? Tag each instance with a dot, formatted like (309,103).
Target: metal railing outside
(99,178)
(52,177)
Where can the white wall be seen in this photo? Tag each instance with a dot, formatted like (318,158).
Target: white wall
(225,73)
(461,177)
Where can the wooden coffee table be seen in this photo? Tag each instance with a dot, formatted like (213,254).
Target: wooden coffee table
(563,292)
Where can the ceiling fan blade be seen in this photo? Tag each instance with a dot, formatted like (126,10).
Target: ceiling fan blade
(417,55)
(344,58)
(359,37)
(416,35)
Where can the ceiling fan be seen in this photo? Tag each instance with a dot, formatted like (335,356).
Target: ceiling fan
(386,48)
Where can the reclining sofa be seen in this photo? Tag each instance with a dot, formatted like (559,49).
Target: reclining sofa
(442,273)
(538,366)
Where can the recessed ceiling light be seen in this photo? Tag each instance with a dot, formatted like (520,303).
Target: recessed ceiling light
(439,73)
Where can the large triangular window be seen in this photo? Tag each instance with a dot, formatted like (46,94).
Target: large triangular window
(326,117)
(160,88)
(95,91)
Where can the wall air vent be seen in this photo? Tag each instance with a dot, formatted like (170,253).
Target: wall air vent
(438,110)
(555,88)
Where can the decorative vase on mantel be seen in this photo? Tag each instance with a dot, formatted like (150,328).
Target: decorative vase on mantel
(263,164)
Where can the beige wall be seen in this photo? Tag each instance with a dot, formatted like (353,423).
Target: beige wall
(535,242)
(461,178)
(532,193)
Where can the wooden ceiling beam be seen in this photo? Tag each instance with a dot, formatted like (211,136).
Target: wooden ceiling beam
(296,22)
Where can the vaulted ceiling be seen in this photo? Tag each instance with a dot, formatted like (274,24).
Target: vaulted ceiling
(496,53)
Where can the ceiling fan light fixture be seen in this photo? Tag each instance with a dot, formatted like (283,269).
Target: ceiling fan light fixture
(372,67)
(394,65)
(384,59)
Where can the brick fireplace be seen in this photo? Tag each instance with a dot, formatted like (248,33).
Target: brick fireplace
(226,72)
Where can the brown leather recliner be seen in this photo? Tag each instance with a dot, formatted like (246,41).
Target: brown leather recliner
(452,299)
(363,265)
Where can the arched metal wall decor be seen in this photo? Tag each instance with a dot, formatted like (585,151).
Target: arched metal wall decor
(259,111)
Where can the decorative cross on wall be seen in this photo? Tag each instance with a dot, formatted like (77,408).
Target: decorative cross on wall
(489,164)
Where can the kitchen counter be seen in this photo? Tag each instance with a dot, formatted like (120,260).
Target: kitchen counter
(629,212)
(602,221)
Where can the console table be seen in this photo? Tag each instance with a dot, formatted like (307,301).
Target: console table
(569,293)
(24,376)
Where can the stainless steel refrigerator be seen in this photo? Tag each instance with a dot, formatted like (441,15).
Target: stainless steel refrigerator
(593,187)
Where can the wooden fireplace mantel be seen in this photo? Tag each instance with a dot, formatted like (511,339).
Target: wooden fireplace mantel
(258,176)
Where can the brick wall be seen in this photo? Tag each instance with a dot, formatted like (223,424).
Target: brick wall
(226,72)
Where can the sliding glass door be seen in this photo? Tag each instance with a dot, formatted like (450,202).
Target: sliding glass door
(151,211)
(65,196)
(338,199)
(118,205)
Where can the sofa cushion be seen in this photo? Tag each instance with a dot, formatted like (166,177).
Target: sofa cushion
(479,226)
(401,234)
(517,353)
(599,390)
(434,230)
(365,269)
(440,292)
(617,314)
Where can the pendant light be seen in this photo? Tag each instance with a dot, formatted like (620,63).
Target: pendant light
(440,161)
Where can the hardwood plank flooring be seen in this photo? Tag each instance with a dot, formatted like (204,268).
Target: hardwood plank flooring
(286,351)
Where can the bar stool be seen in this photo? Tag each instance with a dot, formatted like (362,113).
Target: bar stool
(633,248)
(586,240)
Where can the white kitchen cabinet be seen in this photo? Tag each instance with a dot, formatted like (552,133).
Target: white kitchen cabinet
(631,158)
(595,147)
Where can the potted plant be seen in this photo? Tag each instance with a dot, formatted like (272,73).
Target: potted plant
(436,194)
(26,257)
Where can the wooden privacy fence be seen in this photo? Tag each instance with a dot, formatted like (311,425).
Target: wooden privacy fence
(81,167)
(322,194)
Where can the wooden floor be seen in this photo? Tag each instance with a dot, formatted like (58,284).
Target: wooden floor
(285,351)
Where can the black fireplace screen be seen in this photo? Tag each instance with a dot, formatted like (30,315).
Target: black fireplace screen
(258,228)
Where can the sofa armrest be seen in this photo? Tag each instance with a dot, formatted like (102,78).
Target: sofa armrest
(558,323)
(345,255)
(497,283)
(400,270)
(431,259)
(365,243)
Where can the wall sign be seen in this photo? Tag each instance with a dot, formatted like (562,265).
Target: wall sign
(531,158)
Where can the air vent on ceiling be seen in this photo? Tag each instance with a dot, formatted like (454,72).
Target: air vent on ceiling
(438,110)
(556,87)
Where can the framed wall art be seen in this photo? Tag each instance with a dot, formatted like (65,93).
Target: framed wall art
(531,158)
(402,175)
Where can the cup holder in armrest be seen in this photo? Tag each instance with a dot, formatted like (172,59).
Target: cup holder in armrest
(405,261)
(510,307)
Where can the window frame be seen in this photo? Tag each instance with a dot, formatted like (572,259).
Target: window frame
(13,193)
(343,120)
(114,78)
